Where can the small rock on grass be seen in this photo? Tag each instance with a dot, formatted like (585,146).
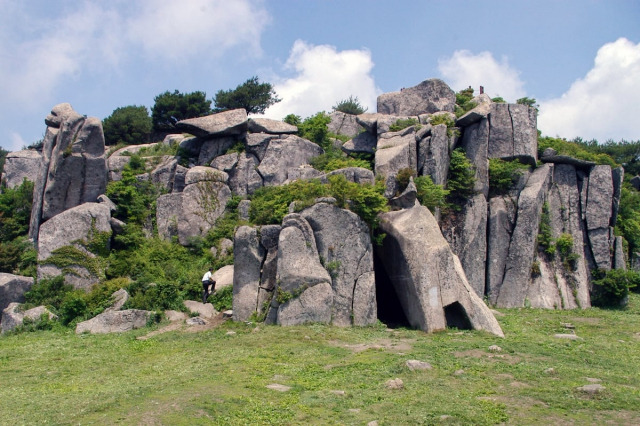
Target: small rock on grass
(591,389)
(196,321)
(495,348)
(567,336)
(395,384)
(414,364)
(458,372)
(593,380)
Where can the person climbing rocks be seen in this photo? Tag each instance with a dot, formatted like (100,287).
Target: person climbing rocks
(207,280)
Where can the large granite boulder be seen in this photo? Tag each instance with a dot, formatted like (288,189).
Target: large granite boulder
(513,132)
(13,316)
(283,154)
(73,169)
(227,123)
(273,127)
(430,96)
(13,288)
(355,174)
(21,165)
(344,124)
(192,212)
(364,143)
(395,151)
(76,228)
(115,322)
(428,278)
(224,277)
(244,178)
(303,291)
(215,147)
(344,246)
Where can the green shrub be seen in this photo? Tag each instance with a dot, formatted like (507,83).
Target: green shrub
(169,108)
(253,96)
(564,245)
(404,176)
(350,106)
(73,306)
(402,124)
(222,299)
(611,288)
(572,149)
(498,100)
(135,199)
(545,234)
(531,102)
(270,204)
(461,179)
(464,101)
(429,194)
(365,200)
(15,210)
(315,129)
(503,174)
(18,257)
(48,292)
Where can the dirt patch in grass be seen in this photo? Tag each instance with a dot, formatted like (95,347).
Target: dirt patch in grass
(212,323)
(403,345)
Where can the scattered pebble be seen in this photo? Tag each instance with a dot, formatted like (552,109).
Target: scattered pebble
(458,372)
(354,410)
(338,392)
(567,336)
(593,380)
(445,417)
(230,333)
(591,389)
(278,387)
(414,364)
(255,330)
(307,337)
(395,384)
(495,348)
(568,325)
(550,370)
(373,423)
(227,314)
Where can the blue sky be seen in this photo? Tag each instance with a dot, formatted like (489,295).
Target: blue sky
(579,59)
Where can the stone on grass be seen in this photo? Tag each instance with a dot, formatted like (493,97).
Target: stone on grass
(279,387)
(567,336)
(591,389)
(394,384)
(414,364)
(115,322)
(196,321)
(205,310)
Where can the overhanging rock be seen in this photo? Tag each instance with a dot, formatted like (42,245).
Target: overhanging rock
(428,278)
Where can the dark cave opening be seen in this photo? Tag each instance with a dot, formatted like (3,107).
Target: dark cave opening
(390,311)
(457,317)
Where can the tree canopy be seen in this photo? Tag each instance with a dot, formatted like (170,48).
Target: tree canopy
(253,96)
(169,108)
(130,125)
(350,106)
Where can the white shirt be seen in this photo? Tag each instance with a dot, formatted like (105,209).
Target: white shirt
(207,276)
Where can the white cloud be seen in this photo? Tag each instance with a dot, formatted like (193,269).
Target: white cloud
(175,29)
(464,69)
(323,76)
(602,105)
(33,67)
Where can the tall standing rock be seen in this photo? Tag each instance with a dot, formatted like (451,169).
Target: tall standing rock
(512,291)
(73,169)
(344,244)
(249,255)
(513,132)
(599,204)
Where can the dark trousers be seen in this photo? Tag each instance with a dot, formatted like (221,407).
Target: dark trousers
(205,291)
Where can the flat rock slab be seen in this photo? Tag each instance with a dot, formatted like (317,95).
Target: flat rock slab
(414,364)
(114,322)
(205,310)
(567,336)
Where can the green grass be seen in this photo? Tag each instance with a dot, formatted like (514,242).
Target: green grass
(212,377)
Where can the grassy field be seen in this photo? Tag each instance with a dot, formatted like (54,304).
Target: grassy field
(334,375)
